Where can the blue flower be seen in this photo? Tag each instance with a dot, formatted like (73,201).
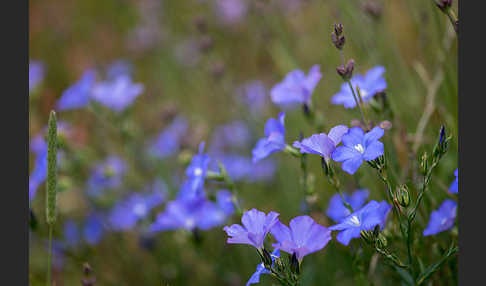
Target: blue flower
(168,142)
(230,136)
(366,218)
(454,188)
(118,93)
(196,173)
(117,68)
(296,88)
(106,175)
(93,228)
(274,139)
(256,226)
(358,146)
(369,85)
(337,211)
(303,237)
(442,219)
(36,74)
(255,277)
(189,214)
(128,212)
(224,199)
(322,144)
(78,95)
(253,95)
(39,173)
(72,236)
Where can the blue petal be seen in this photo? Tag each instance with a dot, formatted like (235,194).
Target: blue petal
(351,165)
(373,151)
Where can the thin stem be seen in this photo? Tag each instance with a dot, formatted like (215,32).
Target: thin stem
(363,109)
(363,119)
(49,257)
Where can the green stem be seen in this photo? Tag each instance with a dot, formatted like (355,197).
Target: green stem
(363,119)
(49,257)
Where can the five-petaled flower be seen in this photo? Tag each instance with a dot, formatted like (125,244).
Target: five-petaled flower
(442,219)
(369,85)
(274,139)
(296,88)
(196,174)
(322,144)
(358,146)
(117,94)
(337,211)
(366,218)
(256,226)
(303,237)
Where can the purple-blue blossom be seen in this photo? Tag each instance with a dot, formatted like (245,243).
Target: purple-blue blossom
(106,175)
(303,237)
(118,93)
(196,174)
(442,219)
(256,226)
(369,85)
(231,11)
(72,235)
(168,141)
(454,188)
(117,68)
(366,218)
(224,199)
(274,139)
(36,74)
(137,206)
(296,88)
(358,147)
(254,95)
(93,228)
(255,277)
(235,135)
(189,214)
(79,94)
(336,209)
(322,144)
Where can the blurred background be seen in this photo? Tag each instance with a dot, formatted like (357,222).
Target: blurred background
(205,68)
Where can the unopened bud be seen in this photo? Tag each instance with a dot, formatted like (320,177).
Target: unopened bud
(403,196)
(424,165)
(386,125)
(443,4)
(337,36)
(346,72)
(381,241)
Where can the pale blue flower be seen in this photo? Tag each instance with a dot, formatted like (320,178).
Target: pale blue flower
(274,139)
(442,219)
(118,93)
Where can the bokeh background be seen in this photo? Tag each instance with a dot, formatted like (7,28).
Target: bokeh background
(196,59)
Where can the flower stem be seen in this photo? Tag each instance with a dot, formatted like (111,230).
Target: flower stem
(363,119)
(49,257)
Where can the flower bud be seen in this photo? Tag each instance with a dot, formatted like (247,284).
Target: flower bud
(346,71)
(403,196)
(443,4)
(424,164)
(381,241)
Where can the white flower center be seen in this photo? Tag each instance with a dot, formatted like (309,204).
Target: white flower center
(355,220)
(364,93)
(198,171)
(359,148)
(140,209)
(190,223)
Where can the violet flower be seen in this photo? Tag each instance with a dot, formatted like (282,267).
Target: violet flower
(196,174)
(106,175)
(303,237)
(366,218)
(358,147)
(296,88)
(256,226)
(337,211)
(79,94)
(442,219)
(274,139)
(322,144)
(118,93)
(168,141)
(36,74)
(454,188)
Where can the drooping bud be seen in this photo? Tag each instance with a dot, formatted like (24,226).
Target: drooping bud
(51,182)
(443,5)
(346,72)
(403,196)
(294,264)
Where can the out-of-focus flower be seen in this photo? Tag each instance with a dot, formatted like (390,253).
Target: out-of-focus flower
(369,85)
(189,214)
(366,218)
(93,228)
(79,94)
(253,95)
(224,199)
(442,219)
(274,139)
(322,144)
(303,237)
(230,136)
(106,175)
(118,93)
(337,211)
(358,146)
(242,168)
(296,88)
(454,188)
(128,212)
(72,235)
(36,74)
(168,141)
(256,226)
(255,277)
(118,68)
(231,11)
(196,173)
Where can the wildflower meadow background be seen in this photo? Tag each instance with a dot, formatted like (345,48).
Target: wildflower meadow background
(236,142)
